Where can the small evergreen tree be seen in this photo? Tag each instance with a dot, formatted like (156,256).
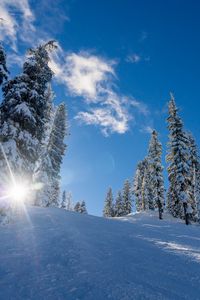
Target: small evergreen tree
(83,209)
(108,210)
(77,207)
(127,201)
(119,208)
(64,200)
(67,201)
(137,186)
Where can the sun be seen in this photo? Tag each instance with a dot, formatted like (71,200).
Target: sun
(18,192)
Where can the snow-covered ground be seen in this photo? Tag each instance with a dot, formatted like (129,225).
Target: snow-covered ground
(55,254)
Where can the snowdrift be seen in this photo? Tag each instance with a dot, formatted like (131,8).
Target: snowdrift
(50,253)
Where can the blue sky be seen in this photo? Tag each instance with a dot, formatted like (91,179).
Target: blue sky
(116,63)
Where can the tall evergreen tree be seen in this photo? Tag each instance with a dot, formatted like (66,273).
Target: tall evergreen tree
(146,191)
(119,208)
(49,164)
(197,193)
(156,179)
(22,112)
(3,68)
(127,201)
(108,210)
(194,176)
(179,167)
(141,187)
(137,186)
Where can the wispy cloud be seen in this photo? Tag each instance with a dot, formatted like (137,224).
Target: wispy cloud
(16,21)
(142,108)
(133,58)
(146,129)
(111,115)
(93,78)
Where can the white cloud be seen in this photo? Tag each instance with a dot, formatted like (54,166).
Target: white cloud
(146,129)
(16,21)
(112,117)
(93,78)
(133,58)
(142,108)
(84,74)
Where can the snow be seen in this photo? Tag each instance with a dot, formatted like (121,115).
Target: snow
(50,253)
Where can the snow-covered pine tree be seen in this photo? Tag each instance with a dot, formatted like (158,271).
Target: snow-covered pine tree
(179,166)
(119,208)
(156,180)
(137,186)
(3,68)
(49,164)
(23,111)
(108,210)
(77,207)
(127,201)
(146,191)
(197,193)
(55,193)
(67,201)
(56,147)
(193,190)
(64,200)
(83,209)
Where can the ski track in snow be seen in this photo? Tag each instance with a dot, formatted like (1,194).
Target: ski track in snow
(55,254)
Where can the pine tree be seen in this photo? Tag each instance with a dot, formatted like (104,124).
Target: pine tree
(127,201)
(77,207)
(108,210)
(137,186)
(197,193)
(156,180)
(3,68)
(49,164)
(146,192)
(194,170)
(67,201)
(179,167)
(119,209)
(64,200)
(83,209)
(22,112)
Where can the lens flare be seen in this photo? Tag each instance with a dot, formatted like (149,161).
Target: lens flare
(18,192)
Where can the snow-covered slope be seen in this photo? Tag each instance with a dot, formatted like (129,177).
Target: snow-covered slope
(54,254)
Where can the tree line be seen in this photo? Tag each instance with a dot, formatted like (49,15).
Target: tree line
(147,192)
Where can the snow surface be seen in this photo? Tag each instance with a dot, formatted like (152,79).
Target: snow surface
(55,254)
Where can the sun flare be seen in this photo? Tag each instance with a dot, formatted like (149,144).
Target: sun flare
(18,192)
